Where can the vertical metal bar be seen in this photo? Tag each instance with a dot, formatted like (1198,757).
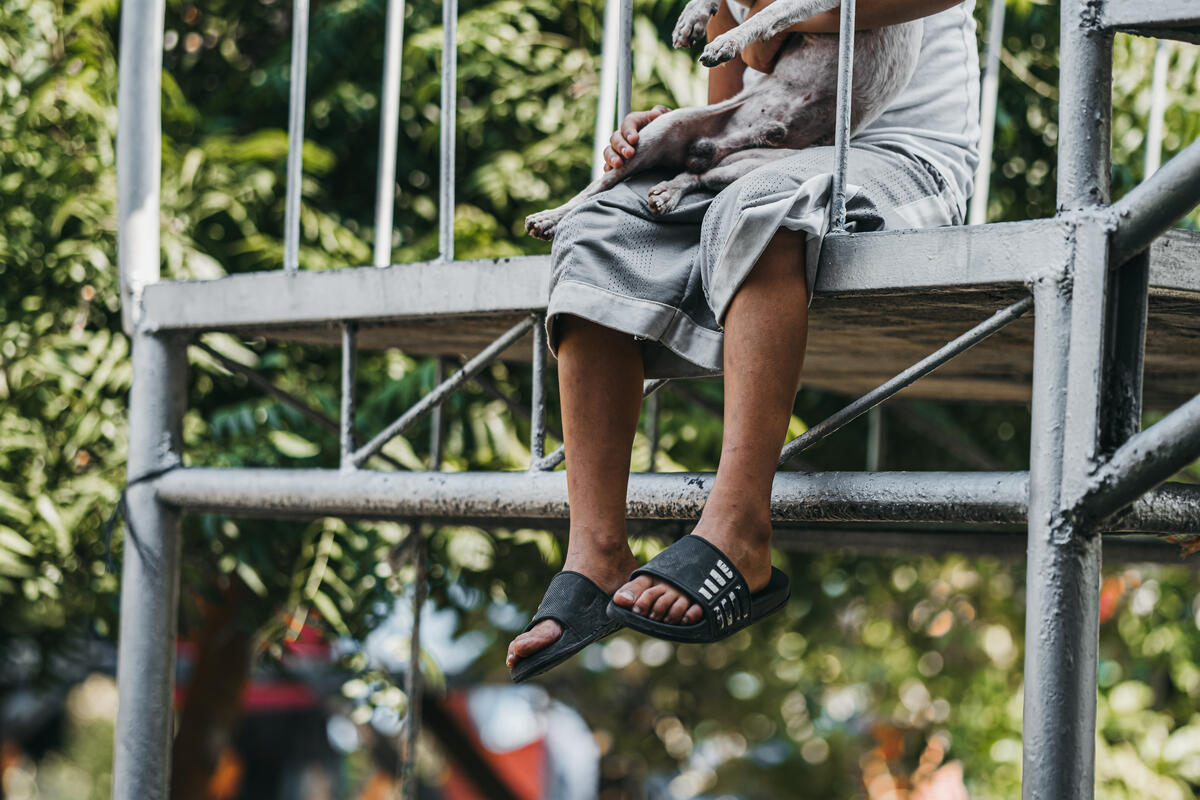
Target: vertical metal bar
(449,107)
(389,128)
(841,140)
(1158,107)
(989,97)
(874,438)
(1063,577)
(606,103)
(625,72)
(413,685)
(436,420)
(139,152)
(537,394)
(1085,108)
(1070,326)
(150,574)
(295,160)
(349,370)
(652,427)
(1126,353)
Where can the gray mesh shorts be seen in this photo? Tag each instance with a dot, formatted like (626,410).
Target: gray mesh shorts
(669,279)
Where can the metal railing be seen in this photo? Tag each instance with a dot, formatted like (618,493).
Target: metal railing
(1089,460)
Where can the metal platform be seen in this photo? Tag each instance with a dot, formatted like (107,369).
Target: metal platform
(883,300)
(1115,302)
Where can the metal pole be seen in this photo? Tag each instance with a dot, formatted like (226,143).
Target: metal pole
(436,425)
(606,103)
(625,73)
(1146,460)
(1157,203)
(1084,108)
(413,685)
(1158,107)
(449,106)
(440,392)
(836,421)
(868,497)
(349,369)
(295,159)
(560,453)
(874,438)
(150,573)
(652,409)
(537,394)
(139,152)
(389,128)
(989,96)
(841,141)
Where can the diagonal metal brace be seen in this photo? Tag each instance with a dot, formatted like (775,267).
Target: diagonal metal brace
(440,392)
(554,459)
(252,376)
(862,405)
(1142,463)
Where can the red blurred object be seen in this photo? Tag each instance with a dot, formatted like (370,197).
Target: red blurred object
(523,769)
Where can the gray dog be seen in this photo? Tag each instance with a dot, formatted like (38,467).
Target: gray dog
(791,108)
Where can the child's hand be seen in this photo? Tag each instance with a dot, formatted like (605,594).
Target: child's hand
(624,139)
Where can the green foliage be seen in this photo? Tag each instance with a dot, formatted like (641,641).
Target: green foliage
(874,661)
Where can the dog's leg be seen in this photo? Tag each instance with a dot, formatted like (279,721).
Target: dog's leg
(663,142)
(771,21)
(707,152)
(666,196)
(693,22)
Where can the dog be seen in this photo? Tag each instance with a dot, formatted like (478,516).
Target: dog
(790,108)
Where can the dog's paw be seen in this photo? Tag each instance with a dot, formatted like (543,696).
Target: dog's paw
(541,225)
(663,198)
(720,50)
(691,28)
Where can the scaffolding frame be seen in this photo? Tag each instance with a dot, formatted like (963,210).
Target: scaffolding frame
(1085,274)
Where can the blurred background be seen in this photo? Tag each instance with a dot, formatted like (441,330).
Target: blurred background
(888,676)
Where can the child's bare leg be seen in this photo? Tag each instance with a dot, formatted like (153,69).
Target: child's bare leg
(766,328)
(600,381)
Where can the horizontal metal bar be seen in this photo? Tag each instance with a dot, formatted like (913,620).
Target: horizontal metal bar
(441,391)
(966,341)
(258,379)
(560,453)
(426,289)
(1148,17)
(966,498)
(1144,461)
(1157,203)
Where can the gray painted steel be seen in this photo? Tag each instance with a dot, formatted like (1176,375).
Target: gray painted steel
(295,160)
(625,59)
(389,130)
(346,433)
(139,153)
(1157,203)
(149,574)
(890,388)
(606,100)
(1175,19)
(992,498)
(449,107)
(841,134)
(537,394)
(1144,461)
(434,399)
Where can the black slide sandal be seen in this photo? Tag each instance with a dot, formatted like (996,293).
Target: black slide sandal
(576,603)
(701,571)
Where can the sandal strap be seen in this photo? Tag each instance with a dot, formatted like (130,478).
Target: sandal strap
(570,598)
(708,577)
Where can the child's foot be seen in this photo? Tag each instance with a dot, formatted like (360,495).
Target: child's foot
(608,567)
(746,541)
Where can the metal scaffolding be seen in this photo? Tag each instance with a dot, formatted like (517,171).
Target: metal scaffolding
(1087,275)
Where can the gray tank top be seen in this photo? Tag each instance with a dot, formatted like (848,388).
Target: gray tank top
(935,117)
